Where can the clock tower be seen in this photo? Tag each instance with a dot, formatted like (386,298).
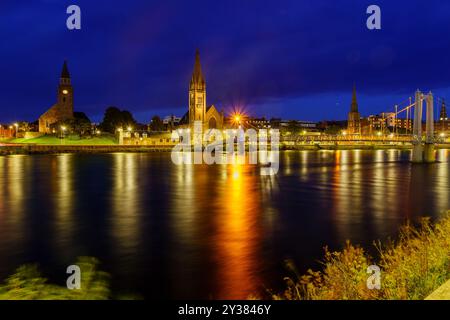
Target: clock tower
(65,93)
(63,109)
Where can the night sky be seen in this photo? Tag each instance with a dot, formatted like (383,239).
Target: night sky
(290,59)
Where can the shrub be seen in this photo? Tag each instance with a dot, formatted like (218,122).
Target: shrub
(411,268)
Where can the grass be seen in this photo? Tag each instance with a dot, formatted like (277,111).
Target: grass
(53,140)
(411,268)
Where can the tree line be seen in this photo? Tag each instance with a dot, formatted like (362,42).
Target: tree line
(113,119)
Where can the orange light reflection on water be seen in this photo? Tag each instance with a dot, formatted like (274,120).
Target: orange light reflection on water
(239,235)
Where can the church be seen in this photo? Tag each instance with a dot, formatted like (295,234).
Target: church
(354,117)
(63,109)
(209,116)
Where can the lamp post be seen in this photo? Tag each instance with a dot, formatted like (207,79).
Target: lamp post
(16,128)
(63,130)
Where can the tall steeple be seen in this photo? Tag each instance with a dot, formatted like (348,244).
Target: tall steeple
(354,105)
(65,71)
(65,93)
(443,115)
(65,75)
(63,109)
(197,75)
(197,93)
(354,118)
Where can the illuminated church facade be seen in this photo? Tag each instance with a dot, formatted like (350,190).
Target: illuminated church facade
(209,116)
(63,109)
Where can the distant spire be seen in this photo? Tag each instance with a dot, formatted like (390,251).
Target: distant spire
(354,105)
(443,114)
(65,71)
(197,75)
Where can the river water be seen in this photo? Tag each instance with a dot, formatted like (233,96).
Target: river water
(198,231)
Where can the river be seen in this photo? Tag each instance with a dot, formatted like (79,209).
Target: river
(206,232)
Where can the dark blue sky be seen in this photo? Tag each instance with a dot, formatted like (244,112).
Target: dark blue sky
(293,59)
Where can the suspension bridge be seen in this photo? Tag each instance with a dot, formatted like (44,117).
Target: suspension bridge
(410,113)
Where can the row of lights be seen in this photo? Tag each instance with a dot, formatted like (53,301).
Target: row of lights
(129,129)
(391,135)
(16,125)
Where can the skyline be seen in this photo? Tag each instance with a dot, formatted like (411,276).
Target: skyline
(140,57)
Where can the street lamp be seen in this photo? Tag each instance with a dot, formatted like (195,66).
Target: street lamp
(63,130)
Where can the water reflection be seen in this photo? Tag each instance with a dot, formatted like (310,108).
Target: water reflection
(238,236)
(13,194)
(198,231)
(125,204)
(63,197)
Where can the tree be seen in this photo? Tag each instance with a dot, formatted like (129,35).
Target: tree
(333,129)
(115,118)
(79,124)
(156,124)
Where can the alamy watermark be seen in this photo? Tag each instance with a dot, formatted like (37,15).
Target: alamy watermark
(374,20)
(74,280)
(73,22)
(374,280)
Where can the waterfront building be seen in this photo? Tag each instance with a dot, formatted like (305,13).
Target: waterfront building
(385,121)
(256,123)
(299,124)
(63,109)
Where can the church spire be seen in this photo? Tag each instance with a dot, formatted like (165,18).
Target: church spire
(197,75)
(443,115)
(65,71)
(354,105)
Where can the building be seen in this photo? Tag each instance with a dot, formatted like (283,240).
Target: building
(444,123)
(171,122)
(256,123)
(210,117)
(293,125)
(7,132)
(63,109)
(386,121)
(354,117)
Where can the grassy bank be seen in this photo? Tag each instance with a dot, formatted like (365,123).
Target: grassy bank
(411,268)
(69,140)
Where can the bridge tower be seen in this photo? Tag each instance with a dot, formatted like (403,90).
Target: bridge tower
(423,151)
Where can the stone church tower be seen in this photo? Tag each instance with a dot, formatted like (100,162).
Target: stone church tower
(354,117)
(63,109)
(197,93)
(210,117)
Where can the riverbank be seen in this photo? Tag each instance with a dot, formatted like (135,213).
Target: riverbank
(11,149)
(411,268)
(30,149)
